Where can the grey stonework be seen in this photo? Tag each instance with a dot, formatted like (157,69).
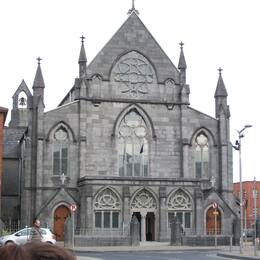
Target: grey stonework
(131,73)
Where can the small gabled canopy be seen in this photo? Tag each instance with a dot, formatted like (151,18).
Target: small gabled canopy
(38,80)
(221,89)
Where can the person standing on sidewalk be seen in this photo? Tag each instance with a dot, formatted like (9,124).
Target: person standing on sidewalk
(35,234)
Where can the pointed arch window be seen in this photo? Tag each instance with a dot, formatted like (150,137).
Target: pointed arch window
(201,156)
(133,145)
(180,207)
(107,209)
(60,152)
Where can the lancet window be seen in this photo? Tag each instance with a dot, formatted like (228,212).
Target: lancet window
(201,156)
(133,145)
(60,152)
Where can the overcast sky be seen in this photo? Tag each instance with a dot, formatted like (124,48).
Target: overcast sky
(216,33)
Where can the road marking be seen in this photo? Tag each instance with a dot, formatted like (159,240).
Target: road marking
(87,258)
(215,256)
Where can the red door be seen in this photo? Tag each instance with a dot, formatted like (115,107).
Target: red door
(213,220)
(60,216)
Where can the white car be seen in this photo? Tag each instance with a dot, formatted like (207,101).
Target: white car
(22,236)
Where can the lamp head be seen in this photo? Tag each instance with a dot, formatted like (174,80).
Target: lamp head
(248,126)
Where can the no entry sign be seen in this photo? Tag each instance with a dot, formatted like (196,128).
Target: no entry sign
(73,207)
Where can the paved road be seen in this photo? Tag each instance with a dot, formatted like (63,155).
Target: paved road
(161,255)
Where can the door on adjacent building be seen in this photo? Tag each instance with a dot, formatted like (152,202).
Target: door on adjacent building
(60,215)
(213,221)
(150,221)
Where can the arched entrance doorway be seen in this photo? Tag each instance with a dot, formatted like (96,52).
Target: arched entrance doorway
(147,225)
(213,221)
(143,206)
(60,215)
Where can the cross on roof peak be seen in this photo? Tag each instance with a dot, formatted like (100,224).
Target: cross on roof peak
(181,44)
(133,8)
(220,70)
(39,60)
(82,38)
(213,181)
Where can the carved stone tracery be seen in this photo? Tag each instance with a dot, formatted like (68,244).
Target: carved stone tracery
(179,201)
(107,199)
(143,200)
(135,73)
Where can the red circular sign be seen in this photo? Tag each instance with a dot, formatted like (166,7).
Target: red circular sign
(215,205)
(73,207)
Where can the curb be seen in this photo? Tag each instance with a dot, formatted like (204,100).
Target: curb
(226,255)
(129,250)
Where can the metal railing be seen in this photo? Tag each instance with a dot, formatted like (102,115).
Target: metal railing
(9,226)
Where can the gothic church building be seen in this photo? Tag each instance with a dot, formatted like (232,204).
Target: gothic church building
(124,142)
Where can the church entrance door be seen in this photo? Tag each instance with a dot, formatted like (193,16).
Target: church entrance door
(60,216)
(213,220)
(150,221)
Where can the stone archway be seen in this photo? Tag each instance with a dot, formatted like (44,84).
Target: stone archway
(144,207)
(213,221)
(61,213)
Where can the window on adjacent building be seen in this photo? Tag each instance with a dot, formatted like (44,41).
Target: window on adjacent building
(180,208)
(133,146)
(60,152)
(201,156)
(107,209)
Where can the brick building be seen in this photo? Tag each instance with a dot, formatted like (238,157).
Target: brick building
(248,201)
(125,142)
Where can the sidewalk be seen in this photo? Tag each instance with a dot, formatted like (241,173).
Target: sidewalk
(248,253)
(223,251)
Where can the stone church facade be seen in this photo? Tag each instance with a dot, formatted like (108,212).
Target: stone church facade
(125,142)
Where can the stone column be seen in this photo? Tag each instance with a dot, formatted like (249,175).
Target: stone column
(185,157)
(143,226)
(83,209)
(198,214)
(126,214)
(162,214)
(89,208)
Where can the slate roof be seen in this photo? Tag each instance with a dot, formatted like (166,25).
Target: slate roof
(133,35)
(12,136)
(82,54)
(38,80)
(221,89)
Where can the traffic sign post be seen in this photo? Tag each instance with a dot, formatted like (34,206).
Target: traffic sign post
(73,208)
(215,206)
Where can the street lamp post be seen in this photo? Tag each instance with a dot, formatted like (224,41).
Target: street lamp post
(238,147)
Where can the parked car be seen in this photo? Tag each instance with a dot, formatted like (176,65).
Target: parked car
(22,236)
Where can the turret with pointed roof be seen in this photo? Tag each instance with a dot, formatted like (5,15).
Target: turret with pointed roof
(182,65)
(82,59)
(221,96)
(38,83)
